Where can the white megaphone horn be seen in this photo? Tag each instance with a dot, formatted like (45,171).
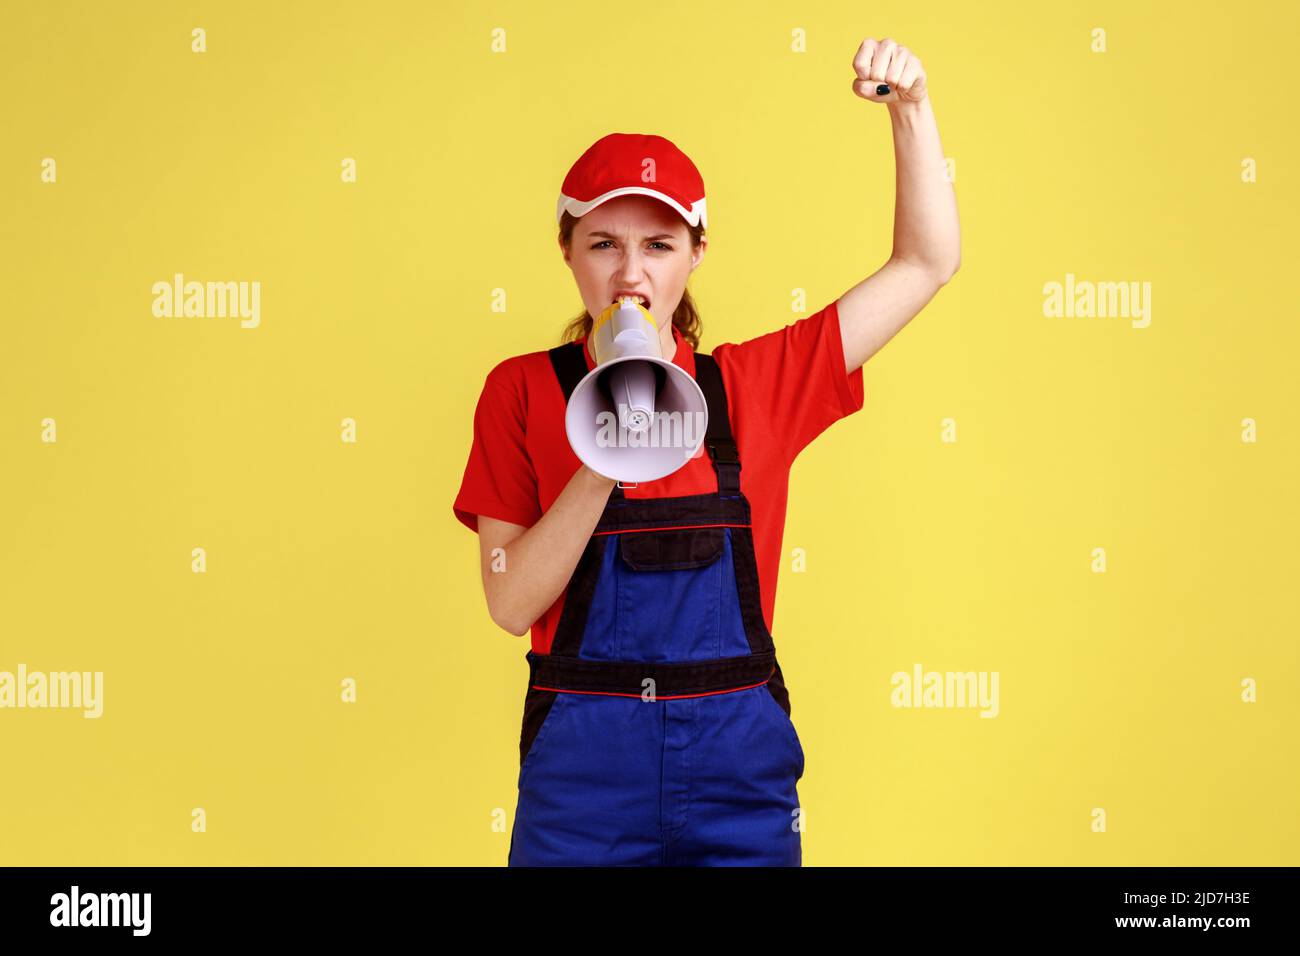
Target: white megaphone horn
(636,416)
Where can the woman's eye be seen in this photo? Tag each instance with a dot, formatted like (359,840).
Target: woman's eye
(655,243)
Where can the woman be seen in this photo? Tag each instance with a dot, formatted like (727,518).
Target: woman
(656,725)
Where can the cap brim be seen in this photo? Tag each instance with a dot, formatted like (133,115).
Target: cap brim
(696,215)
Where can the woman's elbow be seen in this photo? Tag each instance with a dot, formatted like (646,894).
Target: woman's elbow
(516,629)
(503,619)
(499,606)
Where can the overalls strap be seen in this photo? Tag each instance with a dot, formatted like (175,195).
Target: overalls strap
(717,437)
(570,366)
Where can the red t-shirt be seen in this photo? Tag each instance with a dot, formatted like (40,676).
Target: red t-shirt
(783,390)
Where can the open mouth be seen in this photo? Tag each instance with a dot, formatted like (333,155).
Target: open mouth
(632,295)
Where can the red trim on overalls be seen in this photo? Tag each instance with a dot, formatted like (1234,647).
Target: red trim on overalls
(675,527)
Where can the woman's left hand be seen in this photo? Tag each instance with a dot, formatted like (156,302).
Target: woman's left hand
(884,61)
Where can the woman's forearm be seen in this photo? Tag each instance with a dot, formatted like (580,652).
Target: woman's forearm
(539,563)
(927,239)
(926,231)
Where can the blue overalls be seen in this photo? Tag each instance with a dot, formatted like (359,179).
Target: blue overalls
(657,731)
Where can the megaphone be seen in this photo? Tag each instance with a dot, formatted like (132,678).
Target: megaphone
(636,416)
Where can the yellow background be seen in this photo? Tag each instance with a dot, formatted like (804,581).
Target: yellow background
(329,560)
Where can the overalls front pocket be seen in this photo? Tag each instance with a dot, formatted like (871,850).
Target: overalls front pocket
(785,727)
(668,587)
(542,711)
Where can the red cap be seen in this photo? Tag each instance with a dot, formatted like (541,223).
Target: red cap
(622,164)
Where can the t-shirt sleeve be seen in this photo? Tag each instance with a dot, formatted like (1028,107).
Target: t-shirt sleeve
(790,385)
(500,480)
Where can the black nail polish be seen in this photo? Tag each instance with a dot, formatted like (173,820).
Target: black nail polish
(882,89)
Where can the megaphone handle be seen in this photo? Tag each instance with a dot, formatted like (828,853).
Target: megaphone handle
(621,485)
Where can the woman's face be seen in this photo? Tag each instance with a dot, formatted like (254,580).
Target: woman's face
(633,244)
